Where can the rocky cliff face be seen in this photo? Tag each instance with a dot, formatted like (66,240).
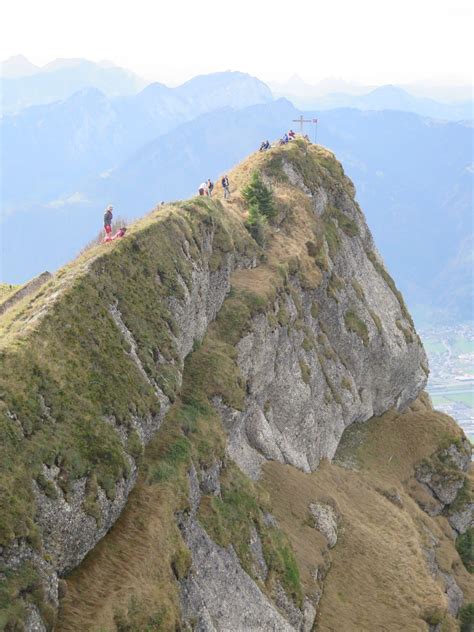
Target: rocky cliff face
(215,351)
(323,357)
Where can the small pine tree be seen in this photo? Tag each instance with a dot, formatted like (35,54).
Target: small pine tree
(255,224)
(258,196)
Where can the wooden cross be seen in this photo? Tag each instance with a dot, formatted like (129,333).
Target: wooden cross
(301,120)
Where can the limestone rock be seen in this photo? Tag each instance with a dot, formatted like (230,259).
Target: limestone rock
(463,519)
(444,472)
(356,358)
(218,593)
(325,521)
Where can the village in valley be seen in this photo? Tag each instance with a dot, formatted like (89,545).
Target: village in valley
(450,351)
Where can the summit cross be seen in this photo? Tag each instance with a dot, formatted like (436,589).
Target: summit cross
(302,120)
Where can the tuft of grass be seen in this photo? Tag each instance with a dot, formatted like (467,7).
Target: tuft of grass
(377,320)
(346,383)
(17,589)
(136,618)
(331,235)
(305,372)
(283,316)
(358,289)
(434,616)
(335,284)
(356,325)
(407,334)
(344,222)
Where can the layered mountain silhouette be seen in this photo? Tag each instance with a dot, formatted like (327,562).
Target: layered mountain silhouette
(337,94)
(23,84)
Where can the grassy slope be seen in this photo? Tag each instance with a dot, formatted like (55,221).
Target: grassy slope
(65,366)
(379,579)
(6,290)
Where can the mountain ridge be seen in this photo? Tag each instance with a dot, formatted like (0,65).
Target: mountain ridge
(225,346)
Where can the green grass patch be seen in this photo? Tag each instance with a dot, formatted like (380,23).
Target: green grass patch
(17,589)
(335,285)
(355,324)
(465,548)
(466,617)
(377,320)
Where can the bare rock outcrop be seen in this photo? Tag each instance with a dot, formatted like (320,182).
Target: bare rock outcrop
(324,358)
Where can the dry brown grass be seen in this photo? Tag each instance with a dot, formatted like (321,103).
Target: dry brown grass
(379,579)
(133,560)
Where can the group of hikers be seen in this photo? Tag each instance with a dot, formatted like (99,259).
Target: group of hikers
(206,188)
(286,138)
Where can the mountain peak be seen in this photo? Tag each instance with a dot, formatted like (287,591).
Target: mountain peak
(219,343)
(17,66)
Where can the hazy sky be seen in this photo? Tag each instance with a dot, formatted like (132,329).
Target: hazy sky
(369,41)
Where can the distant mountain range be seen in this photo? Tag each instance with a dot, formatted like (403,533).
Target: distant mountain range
(63,162)
(50,148)
(387,97)
(23,84)
(335,92)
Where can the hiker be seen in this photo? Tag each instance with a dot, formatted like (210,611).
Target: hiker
(120,233)
(203,189)
(291,134)
(264,146)
(225,186)
(108,215)
(284,140)
(210,186)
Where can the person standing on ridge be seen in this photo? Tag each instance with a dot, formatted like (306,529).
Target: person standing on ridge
(210,186)
(108,215)
(203,189)
(225,186)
